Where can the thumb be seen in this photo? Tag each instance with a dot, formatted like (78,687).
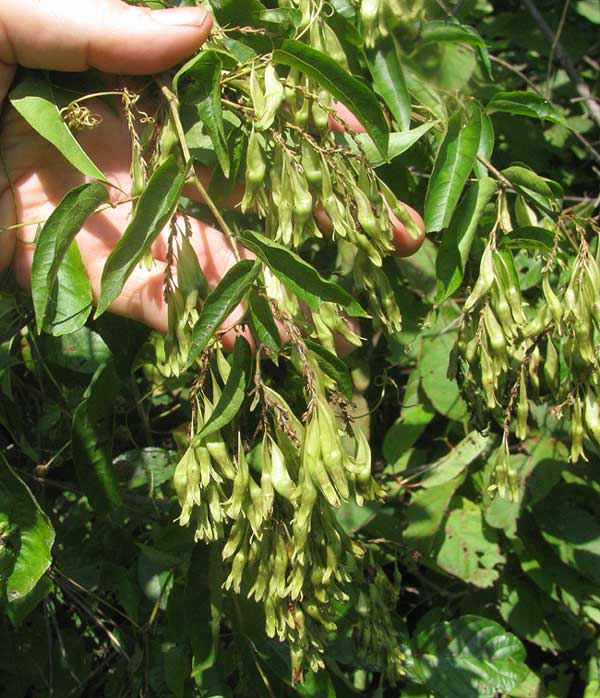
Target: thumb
(105,34)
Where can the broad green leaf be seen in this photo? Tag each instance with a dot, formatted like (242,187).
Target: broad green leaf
(530,238)
(425,514)
(458,459)
(425,93)
(471,657)
(83,351)
(575,534)
(34,99)
(400,142)
(202,601)
(234,391)
(536,617)
(591,11)
(388,80)
(299,276)
(468,548)
(91,441)
(198,85)
(458,237)
(238,13)
(220,302)
(19,609)
(453,164)
(54,239)
(525,104)
(262,322)
(433,367)
(26,536)
(344,87)
(333,366)
(416,414)
(156,205)
(148,467)
(70,301)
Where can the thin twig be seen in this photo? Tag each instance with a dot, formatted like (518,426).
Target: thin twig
(195,180)
(580,85)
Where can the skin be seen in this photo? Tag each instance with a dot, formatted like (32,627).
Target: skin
(113,37)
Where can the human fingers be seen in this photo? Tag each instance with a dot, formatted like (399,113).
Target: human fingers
(105,34)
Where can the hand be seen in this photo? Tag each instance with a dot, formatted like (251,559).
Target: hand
(108,35)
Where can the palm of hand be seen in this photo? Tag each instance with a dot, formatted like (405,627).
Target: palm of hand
(39,177)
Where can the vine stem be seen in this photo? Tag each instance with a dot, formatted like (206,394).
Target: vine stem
(195,180)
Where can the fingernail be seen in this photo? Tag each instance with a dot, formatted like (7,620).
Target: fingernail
(182,16)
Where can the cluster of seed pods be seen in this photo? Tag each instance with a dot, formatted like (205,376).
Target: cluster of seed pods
(511,355)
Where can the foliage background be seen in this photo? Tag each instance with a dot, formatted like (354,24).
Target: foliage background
(497,598)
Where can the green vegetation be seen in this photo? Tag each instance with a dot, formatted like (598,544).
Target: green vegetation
(213,512)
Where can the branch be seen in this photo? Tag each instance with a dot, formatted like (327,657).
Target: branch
(582,89)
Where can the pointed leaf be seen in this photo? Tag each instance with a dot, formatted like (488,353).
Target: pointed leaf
(155,207)
(220,302)
(34,99)
(453,164)
(26,536)
(400,142)
(526,104)
(234,391)
(346,89)
(91,441)
(262,322)
(458,237)
(388,80)
(198,85)
(299,276)
(333,366)
(70,302)
(54,240)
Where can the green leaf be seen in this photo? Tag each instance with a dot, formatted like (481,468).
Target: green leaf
(234,391)
(433,367)
(198,85)
(34,99)
(237,13)
(456,461)
(425,514)
(150,467)
(333,366)
(388,80)
(437,31)
(83,351)
(471,657)
(299,276)
(91,441)
(536,617)
(416,414)
(346,89)
(19,609)
(155,207)
(220,302)
(70,302)
(262,322)
(529,238)
(54,240)
(469,548)
(486,145)
(525,104)
(26,536)
(530,184)
(400,142)
(456,243)
(453,164)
